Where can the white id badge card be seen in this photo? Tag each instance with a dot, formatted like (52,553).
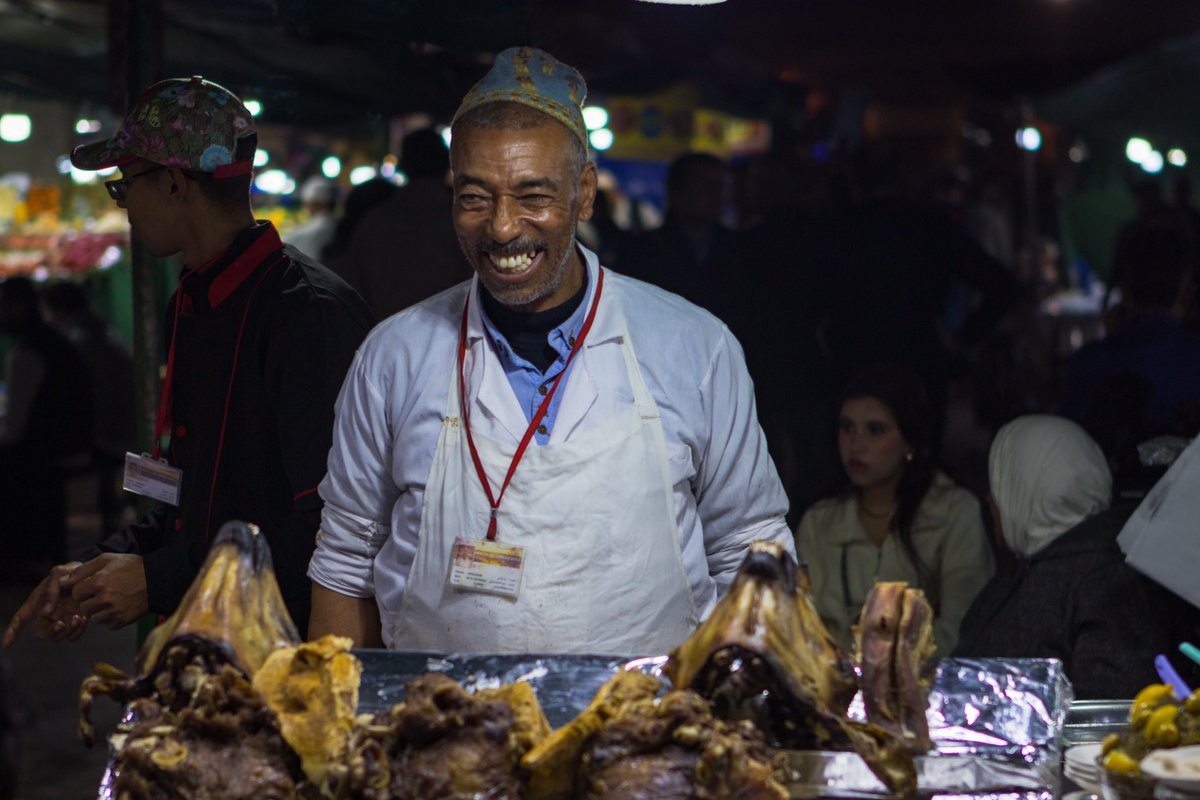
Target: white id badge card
(478,565)
(152,477)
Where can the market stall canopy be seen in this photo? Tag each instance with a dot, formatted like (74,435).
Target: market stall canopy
(330,61)
(1152,93)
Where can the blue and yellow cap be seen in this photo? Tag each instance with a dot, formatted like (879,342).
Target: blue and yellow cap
(533,78)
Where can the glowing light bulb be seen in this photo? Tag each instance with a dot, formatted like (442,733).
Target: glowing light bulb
(601,139)
(15,127)
(1136,149)
(595,117)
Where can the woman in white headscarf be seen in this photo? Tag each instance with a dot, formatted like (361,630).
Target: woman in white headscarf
(1068,593)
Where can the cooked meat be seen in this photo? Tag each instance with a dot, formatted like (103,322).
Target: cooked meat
(223,743)
(894,642)
(443,743)
(674,749)
(313,689)
(764,655)
(553,763)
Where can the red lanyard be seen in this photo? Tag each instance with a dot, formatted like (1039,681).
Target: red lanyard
(494,499)
(162,421)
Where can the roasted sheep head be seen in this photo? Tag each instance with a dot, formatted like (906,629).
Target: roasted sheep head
(443,742)
(764,655)
(198,728)
(233,605)
(894,645)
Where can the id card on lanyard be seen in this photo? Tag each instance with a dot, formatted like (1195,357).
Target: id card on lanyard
(149,474)
(486,565)
(152,477)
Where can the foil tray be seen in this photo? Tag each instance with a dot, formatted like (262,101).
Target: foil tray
(997,723)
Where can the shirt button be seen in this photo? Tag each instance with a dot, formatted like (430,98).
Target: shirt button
(571,339)
(542,430)
(180,431)
(542,389)
(178,524)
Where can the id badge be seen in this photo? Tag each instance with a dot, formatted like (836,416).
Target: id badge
(479,565)
(152,477)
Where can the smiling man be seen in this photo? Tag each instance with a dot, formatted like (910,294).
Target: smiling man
(550,457)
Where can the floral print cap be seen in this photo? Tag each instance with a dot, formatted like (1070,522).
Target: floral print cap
(188,123)
(536,79)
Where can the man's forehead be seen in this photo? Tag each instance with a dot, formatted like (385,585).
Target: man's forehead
(514,152)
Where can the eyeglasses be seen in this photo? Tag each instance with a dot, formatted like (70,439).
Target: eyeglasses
(116,189)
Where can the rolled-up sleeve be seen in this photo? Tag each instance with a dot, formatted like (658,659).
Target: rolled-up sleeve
(358,489)
(739,496)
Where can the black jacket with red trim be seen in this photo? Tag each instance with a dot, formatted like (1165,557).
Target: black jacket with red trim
(252,440)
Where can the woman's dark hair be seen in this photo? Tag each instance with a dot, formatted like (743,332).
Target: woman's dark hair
(905,396)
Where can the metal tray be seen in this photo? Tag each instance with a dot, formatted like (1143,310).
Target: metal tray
(1090,721)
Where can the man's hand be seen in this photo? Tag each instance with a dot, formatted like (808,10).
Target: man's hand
(54,613)
(110,589)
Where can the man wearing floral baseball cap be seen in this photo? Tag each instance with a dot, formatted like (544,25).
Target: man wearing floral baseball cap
(258,338)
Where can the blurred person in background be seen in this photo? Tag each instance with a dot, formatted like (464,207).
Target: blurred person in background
(897,257)
(692,254)
(358,203)
(1067,592)
(319,198)
(895,516)
(404,250)
(47,427)
(1143,378)
(110,367)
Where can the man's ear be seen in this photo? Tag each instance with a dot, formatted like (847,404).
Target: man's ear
(587,191)
(178,187)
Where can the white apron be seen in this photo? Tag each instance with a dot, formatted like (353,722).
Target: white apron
(603,567)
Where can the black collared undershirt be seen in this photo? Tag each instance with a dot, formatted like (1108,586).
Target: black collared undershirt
(527,333)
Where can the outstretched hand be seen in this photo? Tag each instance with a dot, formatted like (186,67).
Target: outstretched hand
(54,613)
(110,589)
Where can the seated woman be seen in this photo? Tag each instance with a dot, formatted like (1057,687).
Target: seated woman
(1068,594)
(895,518)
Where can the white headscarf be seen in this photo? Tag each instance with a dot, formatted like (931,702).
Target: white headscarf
(1046,475)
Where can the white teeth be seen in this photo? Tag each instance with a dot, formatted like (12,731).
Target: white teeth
(513,263)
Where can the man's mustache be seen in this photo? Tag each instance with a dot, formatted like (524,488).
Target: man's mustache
(511,248)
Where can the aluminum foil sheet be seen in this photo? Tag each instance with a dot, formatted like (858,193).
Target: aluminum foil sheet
(564,684)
